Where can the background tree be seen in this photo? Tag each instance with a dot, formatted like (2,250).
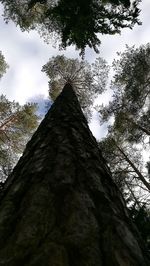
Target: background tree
(17,124)
(128,172)
(141,217)
(130,107)
(88,80)
(131,94)
(129,133)
(127,167)
(3,65)
(75,22)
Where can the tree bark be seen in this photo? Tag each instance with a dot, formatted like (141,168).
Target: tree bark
(60,206)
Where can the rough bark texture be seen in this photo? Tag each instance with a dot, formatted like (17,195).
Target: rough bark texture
(60,206)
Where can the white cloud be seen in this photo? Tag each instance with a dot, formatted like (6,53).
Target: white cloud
(99,131)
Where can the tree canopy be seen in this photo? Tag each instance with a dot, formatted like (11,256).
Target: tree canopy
(129,133)
(87,80)
(76,22)
(126,163)
(3,65)
(131,92)
(17,124)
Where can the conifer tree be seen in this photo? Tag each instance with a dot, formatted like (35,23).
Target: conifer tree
(60,205)
(88,80)
(17,124)
(75,22)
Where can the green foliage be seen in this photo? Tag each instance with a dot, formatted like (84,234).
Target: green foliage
(131,87)
(76,22)
(87,80)
(125,162)
(17,123)
(132,73)
(3,65)
(129,133)
(148,169)
(126,3)
(141,217)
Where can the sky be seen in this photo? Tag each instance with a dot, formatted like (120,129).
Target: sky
(26,53)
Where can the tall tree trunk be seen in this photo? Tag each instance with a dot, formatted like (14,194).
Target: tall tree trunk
(60,206)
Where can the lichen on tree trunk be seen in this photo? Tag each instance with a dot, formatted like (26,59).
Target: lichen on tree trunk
(60,206)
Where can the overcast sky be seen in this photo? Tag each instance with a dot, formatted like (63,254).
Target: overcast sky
(26,53)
